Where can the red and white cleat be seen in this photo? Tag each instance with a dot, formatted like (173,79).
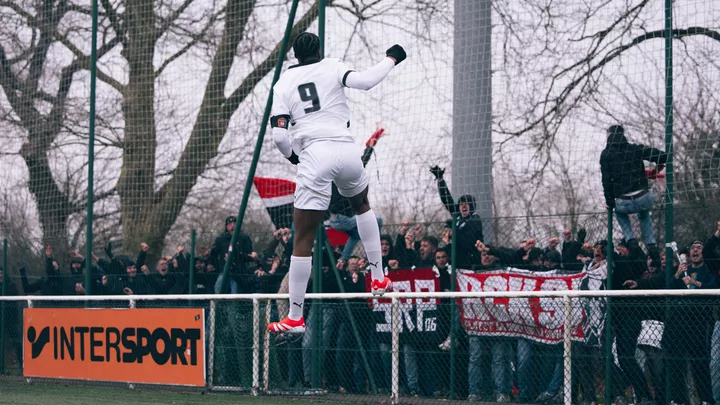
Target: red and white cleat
(287,325)
(381,287)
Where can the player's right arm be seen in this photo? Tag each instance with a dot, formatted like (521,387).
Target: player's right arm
(280,122)
(369,78)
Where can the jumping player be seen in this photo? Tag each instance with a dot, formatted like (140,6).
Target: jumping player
(309,100)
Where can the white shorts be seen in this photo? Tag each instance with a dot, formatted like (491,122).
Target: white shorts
(325,162)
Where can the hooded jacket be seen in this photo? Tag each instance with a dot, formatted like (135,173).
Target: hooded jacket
(469,228)
(622,167)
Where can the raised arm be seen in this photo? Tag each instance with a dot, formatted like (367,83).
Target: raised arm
(370,78)
(444,190)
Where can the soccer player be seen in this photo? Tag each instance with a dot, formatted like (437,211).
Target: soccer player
(309,101)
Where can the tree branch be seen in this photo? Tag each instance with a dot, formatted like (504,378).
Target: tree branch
(115,21)
(559,101)
(167,22)
(83,60)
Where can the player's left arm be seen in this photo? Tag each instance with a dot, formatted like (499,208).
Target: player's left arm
(280,123)
(370,78)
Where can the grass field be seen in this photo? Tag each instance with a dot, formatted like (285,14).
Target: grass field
(60,394)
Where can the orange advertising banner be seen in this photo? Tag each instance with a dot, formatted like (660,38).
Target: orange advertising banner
(151,346)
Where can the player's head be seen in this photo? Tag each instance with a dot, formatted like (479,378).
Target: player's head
(307,47)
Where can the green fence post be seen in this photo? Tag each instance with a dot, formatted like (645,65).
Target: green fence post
(669,149)
(3,320)
(191,275)
(317,313)
(91,152)
(353,322)
(608,317)
(453,316)
(317,305)
(258,147)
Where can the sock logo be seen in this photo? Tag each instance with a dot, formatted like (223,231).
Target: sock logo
(38,342)
(299,305)
(373,264)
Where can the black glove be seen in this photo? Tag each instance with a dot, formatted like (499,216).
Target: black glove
(582,233)
(293,158)
(396,52)
(437,171)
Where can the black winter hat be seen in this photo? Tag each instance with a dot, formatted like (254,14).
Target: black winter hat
(125,261)
(230,219)
(616,135)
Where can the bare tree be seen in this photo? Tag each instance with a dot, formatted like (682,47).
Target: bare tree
(565,69)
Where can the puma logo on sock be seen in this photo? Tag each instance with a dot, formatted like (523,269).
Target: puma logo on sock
(373,264)
(299,305)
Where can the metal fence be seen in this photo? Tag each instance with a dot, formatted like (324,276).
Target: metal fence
(571,346)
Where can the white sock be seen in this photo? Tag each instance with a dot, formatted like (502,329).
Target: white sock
(300,268)
(370,235)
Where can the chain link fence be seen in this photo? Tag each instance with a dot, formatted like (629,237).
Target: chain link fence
(545,346)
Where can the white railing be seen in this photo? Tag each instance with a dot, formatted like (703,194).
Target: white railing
(259,324)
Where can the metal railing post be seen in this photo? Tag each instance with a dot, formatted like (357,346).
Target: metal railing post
(567,351)
(454,310)
(256,347)
(191,270)
(395,351)
(3,320)
(608,318)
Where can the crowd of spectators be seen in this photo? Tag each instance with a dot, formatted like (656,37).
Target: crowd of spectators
(499,369)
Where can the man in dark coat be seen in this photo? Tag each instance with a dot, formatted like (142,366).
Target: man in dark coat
(625,184)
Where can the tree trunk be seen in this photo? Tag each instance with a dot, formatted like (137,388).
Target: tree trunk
(52,204)
(136,186)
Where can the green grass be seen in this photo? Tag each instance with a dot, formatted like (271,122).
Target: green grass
(65,394)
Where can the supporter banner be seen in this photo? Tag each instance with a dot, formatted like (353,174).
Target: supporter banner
(416,315)
(152,346)
(538,319)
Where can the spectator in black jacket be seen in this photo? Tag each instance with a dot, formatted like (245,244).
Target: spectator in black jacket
(689,322)
(469,224)
(163,282)
(389,258)
(242,255)
(424,256)
(52,284)
(628,314)
(625,185)
(571,248)
(132,282)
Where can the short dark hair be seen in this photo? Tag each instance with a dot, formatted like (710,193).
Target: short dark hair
(306,45)
(431,240)
(442,250)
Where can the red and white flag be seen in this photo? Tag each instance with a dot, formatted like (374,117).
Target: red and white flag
(277,196)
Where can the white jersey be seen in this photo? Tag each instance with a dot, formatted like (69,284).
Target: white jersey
(313,95)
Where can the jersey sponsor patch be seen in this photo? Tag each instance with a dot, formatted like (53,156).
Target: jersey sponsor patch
(280,121)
